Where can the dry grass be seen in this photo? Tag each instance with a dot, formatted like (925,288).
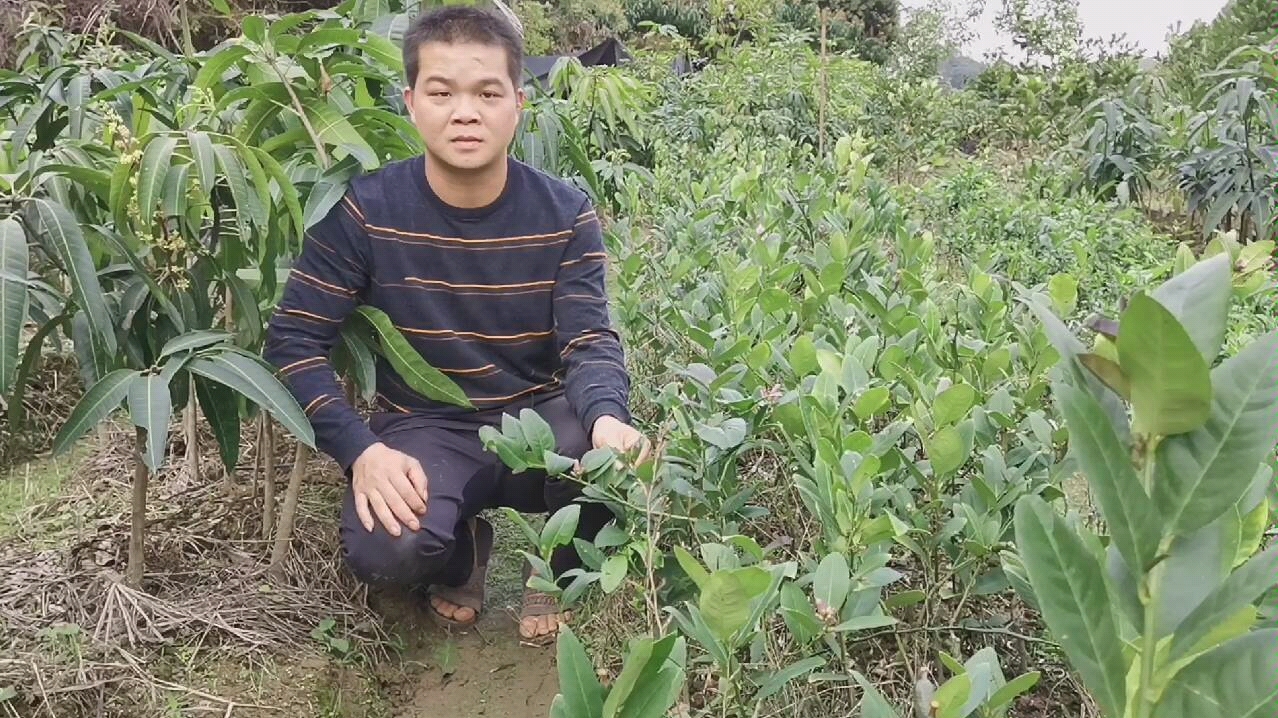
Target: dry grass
(75,638)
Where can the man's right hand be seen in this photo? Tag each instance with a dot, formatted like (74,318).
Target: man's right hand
(391,485)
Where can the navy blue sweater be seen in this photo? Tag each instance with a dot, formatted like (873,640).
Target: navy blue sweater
(508,300)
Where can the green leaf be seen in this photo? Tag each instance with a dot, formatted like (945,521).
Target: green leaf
(151,407)
(14,259)
(582,694)
(1237,680)
(1063,289)
(778,679)
(614,572)
(54,222)
(193,340)
(560,528)
(1199,299)
(1170,381)
(255,381)
(1109,372)
(833,581)
(97,403)
(948,451)
(1128,510)
(205,161)
(803,356)
(871,402)
(1012,689)
(692,567)
(337,131)
(1241,588)
(873,703)
(658,685)
(1199,475)
(409,364)
(222,410)
(639,655)
(726,598)
(537,431)
(953,404)
(1071,593)
(1067,345)
(156,159)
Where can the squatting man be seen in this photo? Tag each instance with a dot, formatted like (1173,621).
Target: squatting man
(495,272)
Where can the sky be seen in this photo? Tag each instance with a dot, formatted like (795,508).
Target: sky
(1146,23)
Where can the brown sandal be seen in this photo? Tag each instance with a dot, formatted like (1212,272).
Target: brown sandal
(470,594)
(537,604)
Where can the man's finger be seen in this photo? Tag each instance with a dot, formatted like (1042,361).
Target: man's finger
(393,491)
(361,510)
(418,476)
(407,493)
(384,513)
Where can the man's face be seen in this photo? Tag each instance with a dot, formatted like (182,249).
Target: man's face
(464,104)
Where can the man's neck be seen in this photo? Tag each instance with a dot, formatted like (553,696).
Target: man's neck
(467,190)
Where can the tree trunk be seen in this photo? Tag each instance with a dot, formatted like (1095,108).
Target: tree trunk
(268,475)
(137,537)
(190,424)
(289,511)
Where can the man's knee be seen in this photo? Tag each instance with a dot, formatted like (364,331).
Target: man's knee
(377,557)
(410,559)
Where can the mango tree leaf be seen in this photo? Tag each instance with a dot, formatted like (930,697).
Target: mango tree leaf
(14,262)
(639,656)
(190,341)
(151,407)
(582,694)
(1128,510)
(1241,588)
(156,159)
(97,403)
(1199,299)
(220,407)
(1070,589)
(409,364)
(251,378)
(1170,381)
(62,232)
(1199,475)
(560,528)
(1237,680)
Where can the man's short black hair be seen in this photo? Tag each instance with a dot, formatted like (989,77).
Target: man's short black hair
(462,23)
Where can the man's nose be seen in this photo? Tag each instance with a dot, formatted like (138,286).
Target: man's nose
(465,111)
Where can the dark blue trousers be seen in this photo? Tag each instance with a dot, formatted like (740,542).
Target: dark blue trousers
(462,480)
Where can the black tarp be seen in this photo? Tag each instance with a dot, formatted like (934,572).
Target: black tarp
(609,52)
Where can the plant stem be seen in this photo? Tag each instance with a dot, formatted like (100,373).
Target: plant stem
(284,532)
(268,475)
(1149,644)
(137,534)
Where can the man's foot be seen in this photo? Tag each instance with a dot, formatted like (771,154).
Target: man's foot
(451,612)
(540,618)
(459,607)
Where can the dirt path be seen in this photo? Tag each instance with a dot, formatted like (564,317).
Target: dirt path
(486,671)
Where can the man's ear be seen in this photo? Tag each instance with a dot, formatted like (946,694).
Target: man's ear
(408,100)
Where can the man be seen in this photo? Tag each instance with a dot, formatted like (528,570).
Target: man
(494,272)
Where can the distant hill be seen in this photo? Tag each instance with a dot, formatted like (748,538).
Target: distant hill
(959,70)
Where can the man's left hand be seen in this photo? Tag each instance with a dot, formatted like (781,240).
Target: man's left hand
(620,437)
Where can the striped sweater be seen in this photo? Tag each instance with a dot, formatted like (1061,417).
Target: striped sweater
(508,300)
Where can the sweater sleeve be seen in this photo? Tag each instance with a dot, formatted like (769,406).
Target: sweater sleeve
(324,286)
(595,376)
